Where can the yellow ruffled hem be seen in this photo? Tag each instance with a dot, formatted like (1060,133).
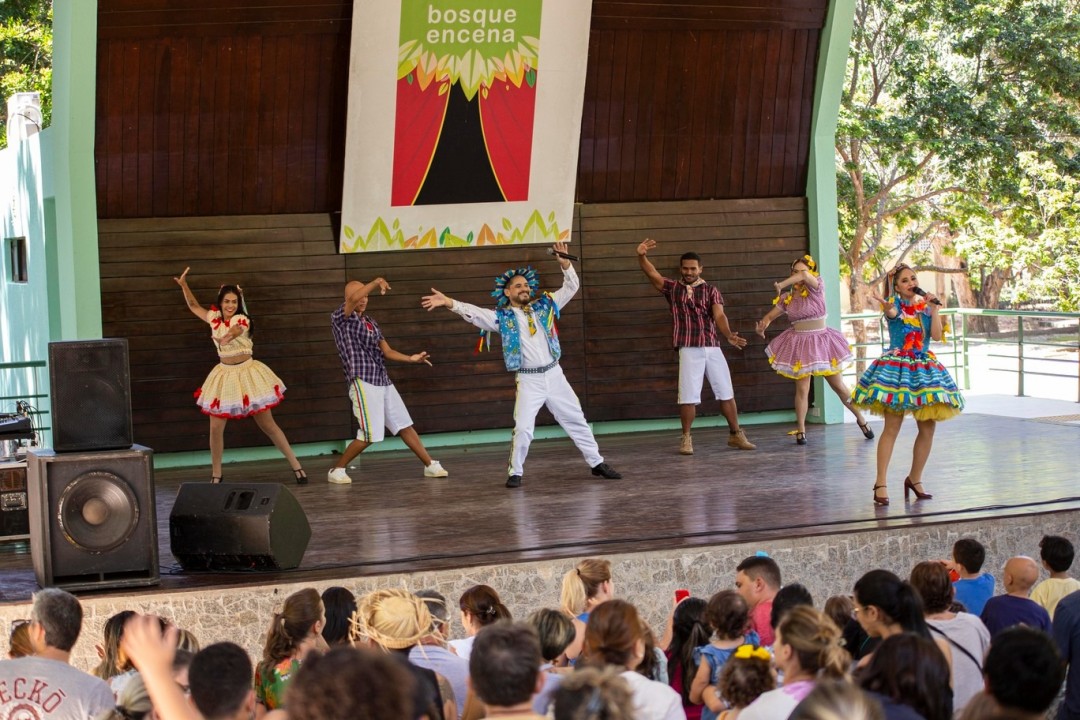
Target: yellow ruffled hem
(937,412)
(816,373)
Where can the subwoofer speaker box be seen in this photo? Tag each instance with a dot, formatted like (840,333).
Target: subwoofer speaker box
(229,526)
(93,522)
(91,395)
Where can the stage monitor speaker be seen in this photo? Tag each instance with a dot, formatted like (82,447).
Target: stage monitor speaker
(229,526)
(93,522)
(91,395)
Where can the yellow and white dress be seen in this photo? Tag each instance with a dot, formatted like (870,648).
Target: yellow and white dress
(241,390)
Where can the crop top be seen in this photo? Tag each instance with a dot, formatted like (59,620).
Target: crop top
(219,328)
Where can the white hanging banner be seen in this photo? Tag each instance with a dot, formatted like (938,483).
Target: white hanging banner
(464,122)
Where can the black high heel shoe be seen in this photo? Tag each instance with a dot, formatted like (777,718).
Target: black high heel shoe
(910,486)
(301,476)
(867,431)
(800,438)
(216,479)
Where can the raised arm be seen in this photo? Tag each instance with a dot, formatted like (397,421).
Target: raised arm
(885,306)
(803,276)
(655,278)
(481,318)
(571,282)
(937,328)
(193,305)
(356,291)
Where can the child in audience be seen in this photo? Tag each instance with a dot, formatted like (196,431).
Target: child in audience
(728,617)
(972,589)
(1057,557)
(744,678)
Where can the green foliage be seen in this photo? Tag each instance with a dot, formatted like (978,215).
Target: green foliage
(960,119)
(26,39)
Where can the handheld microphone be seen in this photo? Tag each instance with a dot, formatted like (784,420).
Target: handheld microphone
(922,293)
(568,256)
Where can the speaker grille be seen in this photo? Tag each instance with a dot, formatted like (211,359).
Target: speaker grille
(91,395)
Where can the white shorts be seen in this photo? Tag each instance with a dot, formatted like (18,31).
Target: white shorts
(697,363)
(377,408)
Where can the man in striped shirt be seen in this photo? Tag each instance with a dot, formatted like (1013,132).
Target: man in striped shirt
(697,310)
(376,402)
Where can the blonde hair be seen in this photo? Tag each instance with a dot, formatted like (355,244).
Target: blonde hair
(132,703)
(815,640)
(393,619)
(582,583)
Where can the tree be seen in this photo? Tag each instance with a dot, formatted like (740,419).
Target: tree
(943,98)
(25,54)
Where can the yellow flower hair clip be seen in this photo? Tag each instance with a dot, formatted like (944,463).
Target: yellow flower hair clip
(745,652)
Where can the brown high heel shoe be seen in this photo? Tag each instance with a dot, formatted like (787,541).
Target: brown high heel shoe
(910,486)
(880,500)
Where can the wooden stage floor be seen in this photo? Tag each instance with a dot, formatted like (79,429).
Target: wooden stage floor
(392,519)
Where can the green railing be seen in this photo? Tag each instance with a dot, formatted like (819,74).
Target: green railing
(25,386)
(1028,331)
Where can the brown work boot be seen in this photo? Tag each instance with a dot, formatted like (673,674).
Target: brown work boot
(738,440)
(686,447)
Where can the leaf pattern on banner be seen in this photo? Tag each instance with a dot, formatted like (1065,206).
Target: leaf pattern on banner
(379,237)
(471,69)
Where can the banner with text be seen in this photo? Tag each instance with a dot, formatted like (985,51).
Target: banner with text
(463,122)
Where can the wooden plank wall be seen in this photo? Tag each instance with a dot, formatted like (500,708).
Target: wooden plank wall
(616,333)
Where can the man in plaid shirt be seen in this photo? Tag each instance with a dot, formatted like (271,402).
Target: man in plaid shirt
(697,310)
(376,402)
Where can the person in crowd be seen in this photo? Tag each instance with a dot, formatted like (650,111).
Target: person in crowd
(61,692)
(654,664)
(746,676)
(885,605)
(19,639)
(1067,636)
(786,598)
(1024,672)
(395,621)
(757,579)
(615,635)
(504,670)
(338,606)
(837,700)
(728,618)
(908,379)
(1015,607)
(968,638)
(348,683)
(239,386)
(697,312)
(293,633)
(531,350)
(187,642)
(909,676)
(1056,554)
(584,587)
(113,662)
(434,653)
(222,682)
(376,403)
(971,586)
(840,609)
(594,694)
(555,632)
(808,348)
(132,702)
(480,606)
(807,649)
(689,632)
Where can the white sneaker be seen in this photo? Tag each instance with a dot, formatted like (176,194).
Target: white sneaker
(338,476)
(435,469)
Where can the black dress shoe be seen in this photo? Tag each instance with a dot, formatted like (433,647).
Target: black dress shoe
(513,481)
(606,471)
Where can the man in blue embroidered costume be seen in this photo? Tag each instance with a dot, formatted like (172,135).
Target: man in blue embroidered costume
(531,349)
(376,403)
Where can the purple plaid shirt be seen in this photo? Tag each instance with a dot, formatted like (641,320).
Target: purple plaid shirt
(357,338)
(691,316)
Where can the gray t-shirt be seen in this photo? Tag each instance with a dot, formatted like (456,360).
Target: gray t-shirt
(968,632)
(447,664)
(35,687)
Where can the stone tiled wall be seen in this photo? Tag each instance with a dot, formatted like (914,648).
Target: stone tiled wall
(827,565)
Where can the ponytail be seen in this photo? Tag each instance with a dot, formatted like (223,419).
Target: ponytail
(583,583)
(572,598)
(909,611)
(290,627)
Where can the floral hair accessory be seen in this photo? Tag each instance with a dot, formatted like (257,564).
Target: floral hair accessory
(501,281)
(745,652)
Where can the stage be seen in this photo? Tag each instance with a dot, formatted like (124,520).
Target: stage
(393,520)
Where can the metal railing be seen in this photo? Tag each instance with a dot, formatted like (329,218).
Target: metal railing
(1028,332)
(26,387)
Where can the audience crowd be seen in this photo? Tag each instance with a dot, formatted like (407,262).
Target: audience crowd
(935,646)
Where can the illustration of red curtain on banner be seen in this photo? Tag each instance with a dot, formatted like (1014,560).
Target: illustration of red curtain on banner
(466,99)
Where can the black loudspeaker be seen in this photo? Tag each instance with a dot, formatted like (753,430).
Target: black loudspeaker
(91,395)
(229,526)
(93,522)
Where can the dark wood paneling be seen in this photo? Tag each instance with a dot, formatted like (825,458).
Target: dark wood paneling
(616,333)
